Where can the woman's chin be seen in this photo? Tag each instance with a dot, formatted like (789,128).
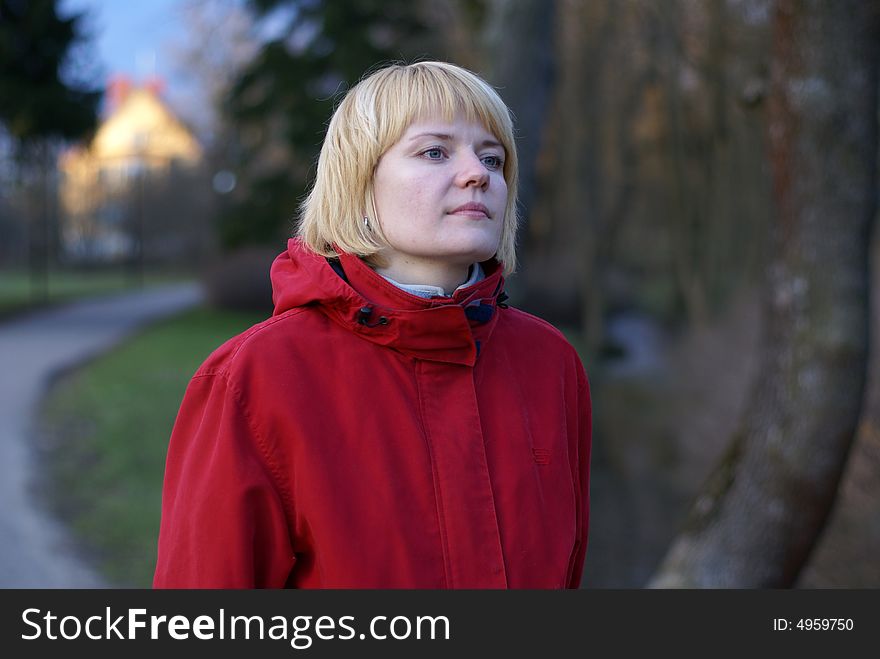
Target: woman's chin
(475,251)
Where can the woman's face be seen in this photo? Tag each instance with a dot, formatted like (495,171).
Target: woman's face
(423,185)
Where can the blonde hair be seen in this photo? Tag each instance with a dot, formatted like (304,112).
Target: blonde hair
(371,118)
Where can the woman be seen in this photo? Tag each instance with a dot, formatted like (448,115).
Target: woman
(394,424)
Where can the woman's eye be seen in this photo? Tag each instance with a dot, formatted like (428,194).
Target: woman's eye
(433,154)
(493,162)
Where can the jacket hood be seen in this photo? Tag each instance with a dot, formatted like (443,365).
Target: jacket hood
(353,295)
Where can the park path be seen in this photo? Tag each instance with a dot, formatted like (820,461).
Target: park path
(35,549)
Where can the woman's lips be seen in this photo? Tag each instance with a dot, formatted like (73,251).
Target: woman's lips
(472,209)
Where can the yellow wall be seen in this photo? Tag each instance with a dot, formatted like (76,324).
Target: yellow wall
(140,135)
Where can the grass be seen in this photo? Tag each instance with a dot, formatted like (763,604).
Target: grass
(18,294)
(105,429)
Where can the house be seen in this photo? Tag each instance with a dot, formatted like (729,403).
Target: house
(101,185)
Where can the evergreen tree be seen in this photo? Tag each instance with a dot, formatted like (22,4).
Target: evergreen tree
(39,104)
(283,100)
(35,100)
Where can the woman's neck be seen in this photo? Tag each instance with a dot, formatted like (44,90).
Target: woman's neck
(443,275)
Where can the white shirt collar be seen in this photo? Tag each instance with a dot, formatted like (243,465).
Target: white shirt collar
(428,291)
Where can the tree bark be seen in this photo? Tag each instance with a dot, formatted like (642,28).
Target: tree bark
(763,509)
(525,76)
(561,237)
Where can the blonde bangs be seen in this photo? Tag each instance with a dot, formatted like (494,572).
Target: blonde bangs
(371,118)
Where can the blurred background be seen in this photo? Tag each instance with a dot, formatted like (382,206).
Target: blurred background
(698,188)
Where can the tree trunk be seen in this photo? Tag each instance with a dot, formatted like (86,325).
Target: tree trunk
(560,241)
(525,76)
(762,511)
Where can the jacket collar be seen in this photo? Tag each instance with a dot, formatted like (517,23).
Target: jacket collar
(451,330)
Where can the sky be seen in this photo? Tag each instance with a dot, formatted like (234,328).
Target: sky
(137,38)
(131,37)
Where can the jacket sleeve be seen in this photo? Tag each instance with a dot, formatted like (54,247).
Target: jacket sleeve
(223,516)
(582,470)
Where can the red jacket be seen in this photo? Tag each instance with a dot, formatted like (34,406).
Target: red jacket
(364,437)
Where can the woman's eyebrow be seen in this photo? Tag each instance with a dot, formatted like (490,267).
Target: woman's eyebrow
(447,137)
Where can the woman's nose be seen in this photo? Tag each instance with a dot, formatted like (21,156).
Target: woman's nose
(472,171)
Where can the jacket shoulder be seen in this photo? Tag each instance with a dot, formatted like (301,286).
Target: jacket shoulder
(230,353)
(534,335)
(533,328)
